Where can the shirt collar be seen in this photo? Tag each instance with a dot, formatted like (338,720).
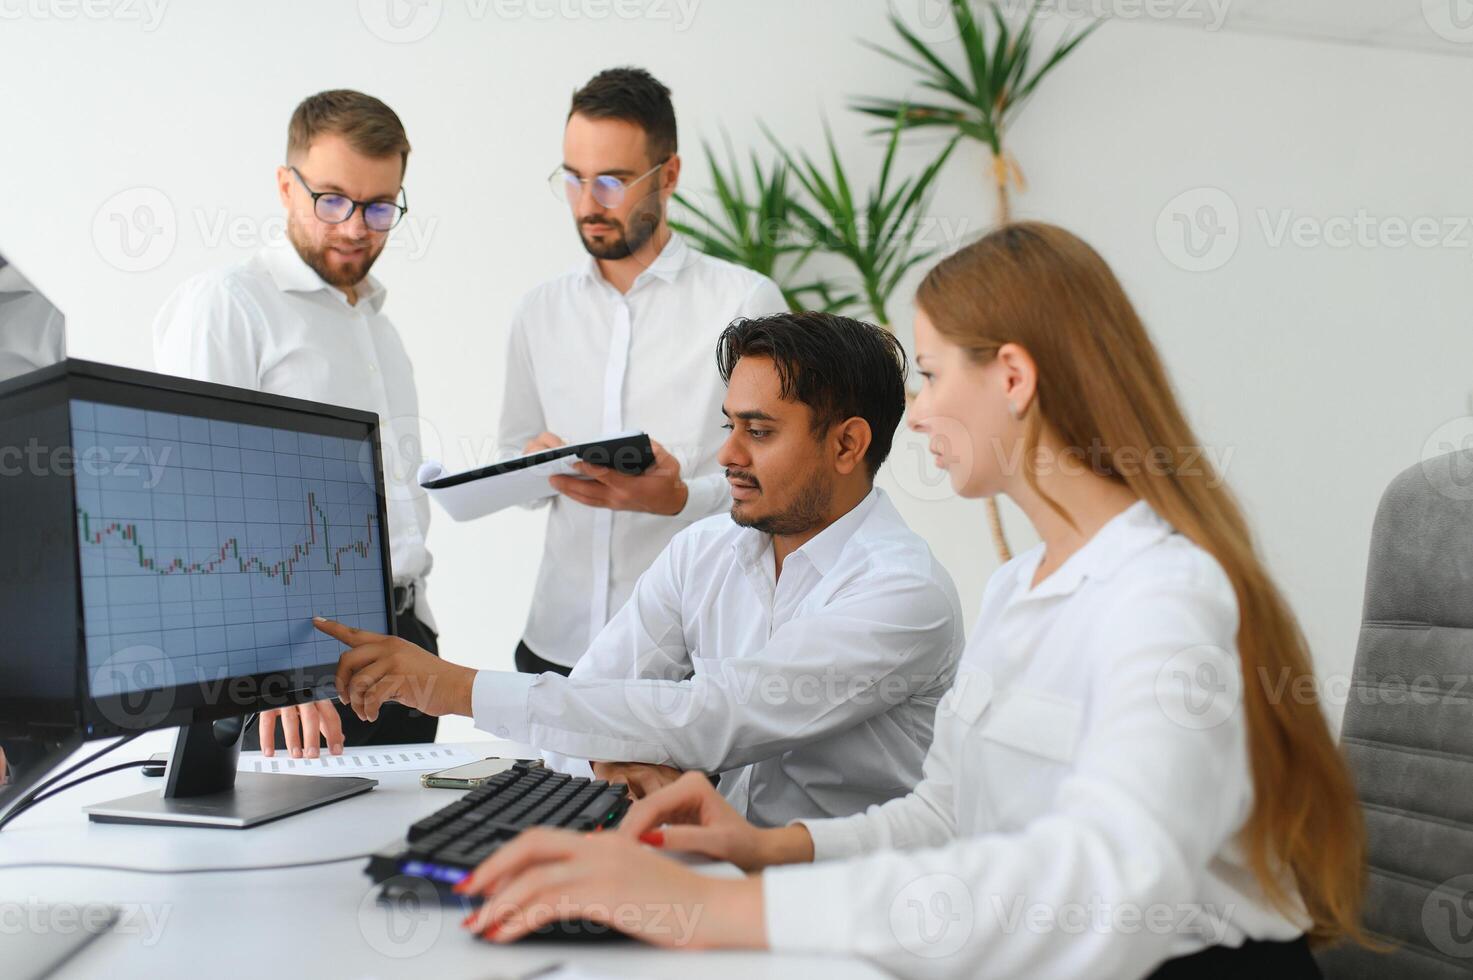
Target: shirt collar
(292,274)
(1125,535)
(824,548)
(672,260)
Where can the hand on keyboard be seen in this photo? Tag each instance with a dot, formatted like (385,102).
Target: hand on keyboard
(385,668)
(692,815)
(642,778)
(547,875)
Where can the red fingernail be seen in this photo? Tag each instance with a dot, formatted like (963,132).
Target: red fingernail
(490,931)
(462,886)
(654,838)
(468,920)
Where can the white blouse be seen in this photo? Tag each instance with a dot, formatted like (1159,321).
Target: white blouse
(1082,798)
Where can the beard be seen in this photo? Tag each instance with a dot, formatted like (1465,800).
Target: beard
(623,242)
(808,510)
(341,276)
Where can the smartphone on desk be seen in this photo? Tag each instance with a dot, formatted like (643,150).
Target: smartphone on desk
(470,775)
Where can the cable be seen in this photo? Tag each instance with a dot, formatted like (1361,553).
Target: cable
(185,871)
(30,798)
(91,775)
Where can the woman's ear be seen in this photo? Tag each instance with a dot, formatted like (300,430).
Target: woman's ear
(1019,378)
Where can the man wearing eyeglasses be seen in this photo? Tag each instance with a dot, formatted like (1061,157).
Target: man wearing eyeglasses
(621,341)
(304,318)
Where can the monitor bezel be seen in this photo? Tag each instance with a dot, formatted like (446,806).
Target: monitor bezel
(201,701)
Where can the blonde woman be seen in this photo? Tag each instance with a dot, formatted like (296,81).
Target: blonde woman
(1126,779)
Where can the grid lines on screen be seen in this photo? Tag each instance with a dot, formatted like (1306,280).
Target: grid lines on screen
(206,546)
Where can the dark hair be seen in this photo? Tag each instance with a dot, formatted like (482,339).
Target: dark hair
(369,126)
(839,367)
(633,95)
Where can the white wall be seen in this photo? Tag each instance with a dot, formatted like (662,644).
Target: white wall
(1321,370)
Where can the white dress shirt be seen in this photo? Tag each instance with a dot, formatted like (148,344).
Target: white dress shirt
(273,324)
(1084,793)
(813,694)
(32,330)
(585,361)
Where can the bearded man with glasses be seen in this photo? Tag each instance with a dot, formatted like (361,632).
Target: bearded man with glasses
(304,318)
(620,341)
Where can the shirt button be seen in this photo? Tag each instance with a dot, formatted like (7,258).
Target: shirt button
(503,731)
(373,368)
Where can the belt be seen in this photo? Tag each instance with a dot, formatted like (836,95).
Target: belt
(403,598)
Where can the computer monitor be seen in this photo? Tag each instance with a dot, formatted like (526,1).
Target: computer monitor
(164,546)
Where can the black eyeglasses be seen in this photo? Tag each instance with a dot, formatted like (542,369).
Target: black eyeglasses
(335,208)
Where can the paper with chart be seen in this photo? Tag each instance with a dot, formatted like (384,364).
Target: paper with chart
(365,759)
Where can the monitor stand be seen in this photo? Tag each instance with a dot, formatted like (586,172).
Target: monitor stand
(203,788)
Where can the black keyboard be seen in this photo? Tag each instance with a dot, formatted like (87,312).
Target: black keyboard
(447,845)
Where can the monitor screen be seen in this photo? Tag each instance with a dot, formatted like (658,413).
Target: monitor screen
(206,546)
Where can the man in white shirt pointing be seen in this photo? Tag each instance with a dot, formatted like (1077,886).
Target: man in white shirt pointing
(304,318)
(622,341)
(798,647)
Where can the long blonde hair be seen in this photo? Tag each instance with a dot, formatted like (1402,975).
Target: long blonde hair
(1101,384)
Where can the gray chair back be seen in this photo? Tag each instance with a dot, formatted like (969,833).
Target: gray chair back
(1408,729)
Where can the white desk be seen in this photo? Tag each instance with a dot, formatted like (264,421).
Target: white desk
(320,922)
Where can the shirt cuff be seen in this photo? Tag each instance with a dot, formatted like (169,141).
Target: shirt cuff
(499,702)
(835,838)
(800,912)
(705,495)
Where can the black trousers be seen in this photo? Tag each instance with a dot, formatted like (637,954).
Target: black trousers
(1254,960)
(529,663)
(396,723)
